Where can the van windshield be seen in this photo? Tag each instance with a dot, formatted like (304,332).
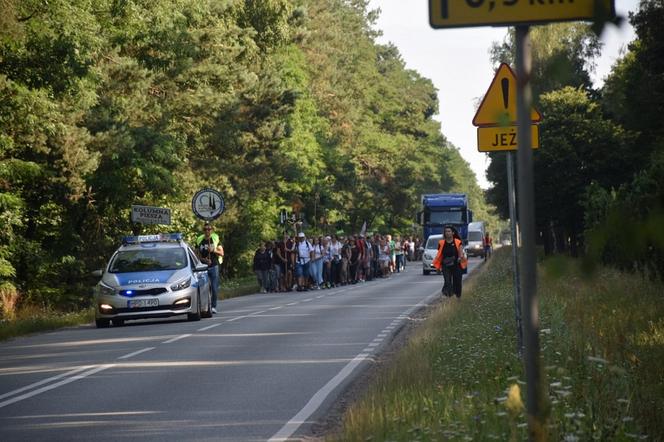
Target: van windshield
(474,236)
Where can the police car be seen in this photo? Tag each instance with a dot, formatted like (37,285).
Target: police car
(152,276)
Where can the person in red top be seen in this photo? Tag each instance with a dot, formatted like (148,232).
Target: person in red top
(487,241)
(452,260)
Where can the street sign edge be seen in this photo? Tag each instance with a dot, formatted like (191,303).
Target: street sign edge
(493,80)
(612,13)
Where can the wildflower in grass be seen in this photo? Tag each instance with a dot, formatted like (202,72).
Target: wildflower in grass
(571,438)
(514,404)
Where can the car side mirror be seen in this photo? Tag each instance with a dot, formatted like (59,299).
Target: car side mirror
(201,267)
(98,273)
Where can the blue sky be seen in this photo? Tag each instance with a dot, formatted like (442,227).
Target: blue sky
(457,61)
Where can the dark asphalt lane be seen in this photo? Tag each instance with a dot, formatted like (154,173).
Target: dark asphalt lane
(265,368)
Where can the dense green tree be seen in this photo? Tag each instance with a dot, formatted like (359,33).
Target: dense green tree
(633,95)
(579,146)
(562,56)
(105,104)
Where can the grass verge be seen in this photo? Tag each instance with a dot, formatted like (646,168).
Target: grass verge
(32,320)
(232,288)
(459,378)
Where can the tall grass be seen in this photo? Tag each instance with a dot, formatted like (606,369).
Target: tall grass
(30,319)
(459,378)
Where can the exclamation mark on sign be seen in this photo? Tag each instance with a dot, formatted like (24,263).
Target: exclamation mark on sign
(505,84)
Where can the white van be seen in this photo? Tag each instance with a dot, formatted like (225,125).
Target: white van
(429,253)
(475,246)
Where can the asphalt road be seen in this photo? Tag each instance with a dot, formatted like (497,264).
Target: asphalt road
(266,368)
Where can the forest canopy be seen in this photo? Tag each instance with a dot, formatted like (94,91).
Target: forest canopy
(274,103)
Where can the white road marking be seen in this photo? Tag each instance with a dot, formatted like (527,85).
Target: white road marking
(209,327)
(56,385)
(292,425)
(45,381)
(177,338)
(127,356)
(294,303)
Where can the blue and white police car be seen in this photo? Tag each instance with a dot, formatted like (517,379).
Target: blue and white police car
(152,276)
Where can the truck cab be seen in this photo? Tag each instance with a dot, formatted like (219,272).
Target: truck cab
(441,209)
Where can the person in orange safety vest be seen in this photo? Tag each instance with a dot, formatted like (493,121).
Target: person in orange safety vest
(451,260)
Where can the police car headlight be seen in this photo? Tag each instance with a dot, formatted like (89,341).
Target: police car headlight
(181,285)
(105,290)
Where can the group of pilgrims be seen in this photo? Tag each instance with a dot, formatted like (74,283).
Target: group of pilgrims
(301,263)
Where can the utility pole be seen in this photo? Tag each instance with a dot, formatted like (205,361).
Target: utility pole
(535,397)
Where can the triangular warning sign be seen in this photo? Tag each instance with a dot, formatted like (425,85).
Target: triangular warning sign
(499,104)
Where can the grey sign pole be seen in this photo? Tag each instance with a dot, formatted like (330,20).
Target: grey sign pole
(515,255)
(535,398)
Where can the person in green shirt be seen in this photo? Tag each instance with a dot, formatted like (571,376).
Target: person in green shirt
(211,252)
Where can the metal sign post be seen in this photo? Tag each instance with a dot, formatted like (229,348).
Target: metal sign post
(511,198)
(535,397)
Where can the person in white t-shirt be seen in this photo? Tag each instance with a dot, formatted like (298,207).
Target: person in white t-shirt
(303,255)
(335,253)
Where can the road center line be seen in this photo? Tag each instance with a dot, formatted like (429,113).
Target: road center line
(177,338)
(209,327)
(76,377)
(129,355)
(45,381)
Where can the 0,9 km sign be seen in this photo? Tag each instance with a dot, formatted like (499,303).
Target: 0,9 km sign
(463,13)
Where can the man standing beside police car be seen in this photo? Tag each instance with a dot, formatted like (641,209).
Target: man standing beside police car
(211,252)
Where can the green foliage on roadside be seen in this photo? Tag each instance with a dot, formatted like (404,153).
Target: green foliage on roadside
(599,166)
(459,377)
(107,104)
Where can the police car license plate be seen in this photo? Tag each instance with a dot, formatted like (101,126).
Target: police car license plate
(138,303)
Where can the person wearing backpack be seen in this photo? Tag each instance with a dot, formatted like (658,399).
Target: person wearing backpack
(452,260)
(304,254)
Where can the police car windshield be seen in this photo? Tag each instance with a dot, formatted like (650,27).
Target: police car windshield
(146,260)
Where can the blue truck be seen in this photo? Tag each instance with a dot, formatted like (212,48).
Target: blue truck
(441,209)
